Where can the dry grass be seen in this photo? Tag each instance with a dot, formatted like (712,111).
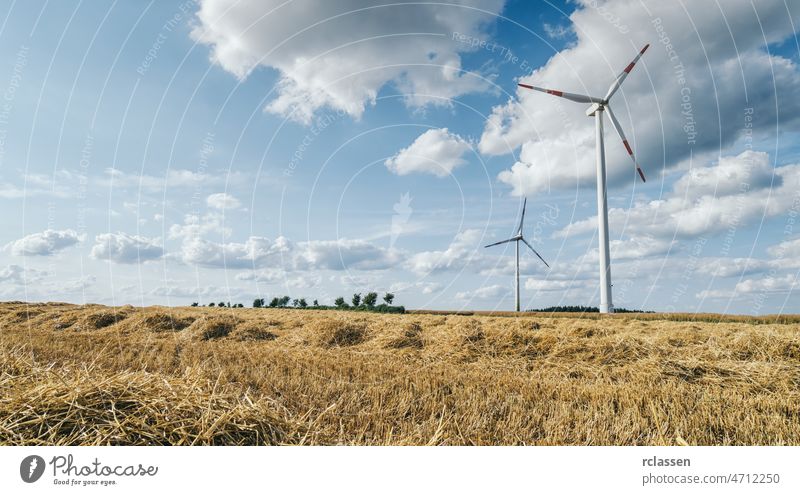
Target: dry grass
(99,375)
(776,319)
(88,406)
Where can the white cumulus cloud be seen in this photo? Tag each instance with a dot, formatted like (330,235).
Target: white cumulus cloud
(340,54)
(223,201)
(748,287)
(695,208)
(343,254)
(256,251)
(15,274)
(44,243)
(488,292)
(125,248)
(436,152)
(460,253)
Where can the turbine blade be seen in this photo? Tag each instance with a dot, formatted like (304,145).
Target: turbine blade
(616,125)
(501,242)
(618,81)
(521,220)
(534,252)
(569,96)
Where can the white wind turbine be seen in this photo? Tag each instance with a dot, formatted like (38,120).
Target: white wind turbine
(518,237)
(596,110)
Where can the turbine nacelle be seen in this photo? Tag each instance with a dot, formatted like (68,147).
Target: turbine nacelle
(595,108)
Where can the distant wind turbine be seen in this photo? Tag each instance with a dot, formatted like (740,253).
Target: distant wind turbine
(518,237)
(596,110)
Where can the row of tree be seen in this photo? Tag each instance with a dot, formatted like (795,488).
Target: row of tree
(283,302)
(222,304)
(368,302)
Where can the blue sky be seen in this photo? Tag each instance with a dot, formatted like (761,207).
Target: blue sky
(171,152)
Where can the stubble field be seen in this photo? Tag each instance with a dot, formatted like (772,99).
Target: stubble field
(101,375)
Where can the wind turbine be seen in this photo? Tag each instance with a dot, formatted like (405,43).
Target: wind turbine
(599,105)
(518,237)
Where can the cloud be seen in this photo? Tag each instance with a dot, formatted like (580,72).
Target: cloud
(176,290)
(18,275)
(636,248)
(339,55)
(44,243)
(181,290)
(733,267)
(784,283)
(777,284)
(695,211)
(787,249)
(343,254)
(558,285)
(460,253)
(172,179)
(423,287)
(12,191)
(18,282)
(125,248)
(195,226)
(715,294)
(436,152)
(58,184)
(489,292)
(223,201)
(268,276)
(286,256)
(357,281)
(304,282)
(695,91)
(76,285)
(66,184)
(254,252)
(557,32)
(749,171)
(259,252)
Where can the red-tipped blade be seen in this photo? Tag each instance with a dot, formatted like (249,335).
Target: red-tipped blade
(618,81)
(621,134)
(562,94)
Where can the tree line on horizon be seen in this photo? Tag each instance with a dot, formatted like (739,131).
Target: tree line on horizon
(369,302)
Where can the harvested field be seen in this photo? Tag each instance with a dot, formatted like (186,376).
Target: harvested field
(85,375)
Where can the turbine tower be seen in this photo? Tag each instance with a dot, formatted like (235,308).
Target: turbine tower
(518,237)
(600,105)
